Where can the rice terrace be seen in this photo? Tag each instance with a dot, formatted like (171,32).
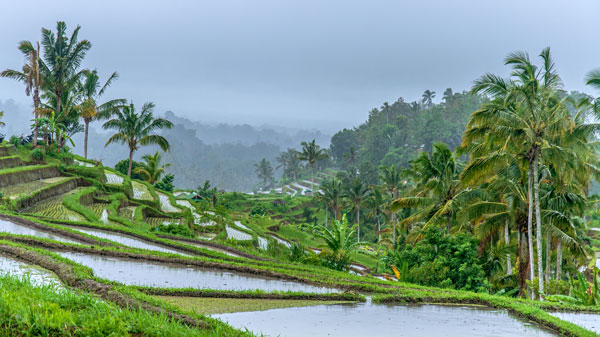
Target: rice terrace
(277,201)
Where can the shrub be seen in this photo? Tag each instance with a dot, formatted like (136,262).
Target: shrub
(258,209)
(37,154)
(175,230)
(26,139)
(123,165)
(14,140)
(166,183)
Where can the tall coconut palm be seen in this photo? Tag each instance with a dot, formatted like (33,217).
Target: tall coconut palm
(312,153)
(427,98)
(136,130)
(90,109)
(30,76)
(392,181)
(526,110)
(61,66)
(151,170)
(356,192)
(331,192)
(375,203)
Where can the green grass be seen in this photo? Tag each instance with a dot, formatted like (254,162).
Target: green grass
(26,310)
(208,306)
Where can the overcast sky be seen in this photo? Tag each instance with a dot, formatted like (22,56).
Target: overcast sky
(321,64)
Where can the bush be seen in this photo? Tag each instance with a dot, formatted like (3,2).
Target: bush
(37,154)
(166,183)
(26,139)
(442,260)
(258,209)
(175,230)
(123,165)
(14,140)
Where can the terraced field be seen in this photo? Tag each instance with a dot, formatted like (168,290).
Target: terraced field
(112,178)
(140,191)
(14,191)
(54,208)
(127,212)
(165,204)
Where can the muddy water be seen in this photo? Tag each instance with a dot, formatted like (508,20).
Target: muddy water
(588,321)
(128,241)
(365,319)
(37,276)
(145,273)
(13,228)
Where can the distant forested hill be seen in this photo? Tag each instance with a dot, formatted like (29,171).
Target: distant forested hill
(224,154)
(395,132)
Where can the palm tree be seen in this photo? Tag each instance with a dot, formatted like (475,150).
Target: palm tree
(61,62)
(30,76)
(340,242)
(152,169)
(437,193)
(375,202)
(136,130)
(427,98)
(312,153)
(264,170)
(331,194)
(526,110)
(356,193)
(90,109)
(391,181)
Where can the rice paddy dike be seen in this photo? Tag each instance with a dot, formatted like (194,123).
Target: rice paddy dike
(78,240)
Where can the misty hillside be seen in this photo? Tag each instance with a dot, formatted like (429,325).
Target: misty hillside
(224,154)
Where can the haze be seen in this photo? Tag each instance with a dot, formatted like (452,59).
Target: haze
(311,64)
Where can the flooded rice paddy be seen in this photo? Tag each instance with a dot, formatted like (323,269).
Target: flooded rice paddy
(140,191)
(13,228)
(366,319)
(586,320)
(235,234)
(165,204)
(36,275)
(146,273)
(127,240)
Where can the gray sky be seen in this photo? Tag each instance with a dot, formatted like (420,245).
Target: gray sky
(305,63)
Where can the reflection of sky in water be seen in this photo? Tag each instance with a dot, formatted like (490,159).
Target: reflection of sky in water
(588,321)
(13,228)
(366,319)
(138,272)
(127,240)
(37,276)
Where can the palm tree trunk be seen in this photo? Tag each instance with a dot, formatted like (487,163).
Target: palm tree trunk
(312,182)
(523,262)
(507,242)
(538,224)
(358,223)
(448,218)
(548,246)
(130,162)
(35,127)
(530,226)
(558,259)
(85,137)
(395,196)
(378,228)
(326,215)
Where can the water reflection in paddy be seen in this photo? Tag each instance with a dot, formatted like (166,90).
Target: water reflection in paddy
(586,320)
(37,276)
(13,228)
(128,240)
(145,273)
(366,319)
